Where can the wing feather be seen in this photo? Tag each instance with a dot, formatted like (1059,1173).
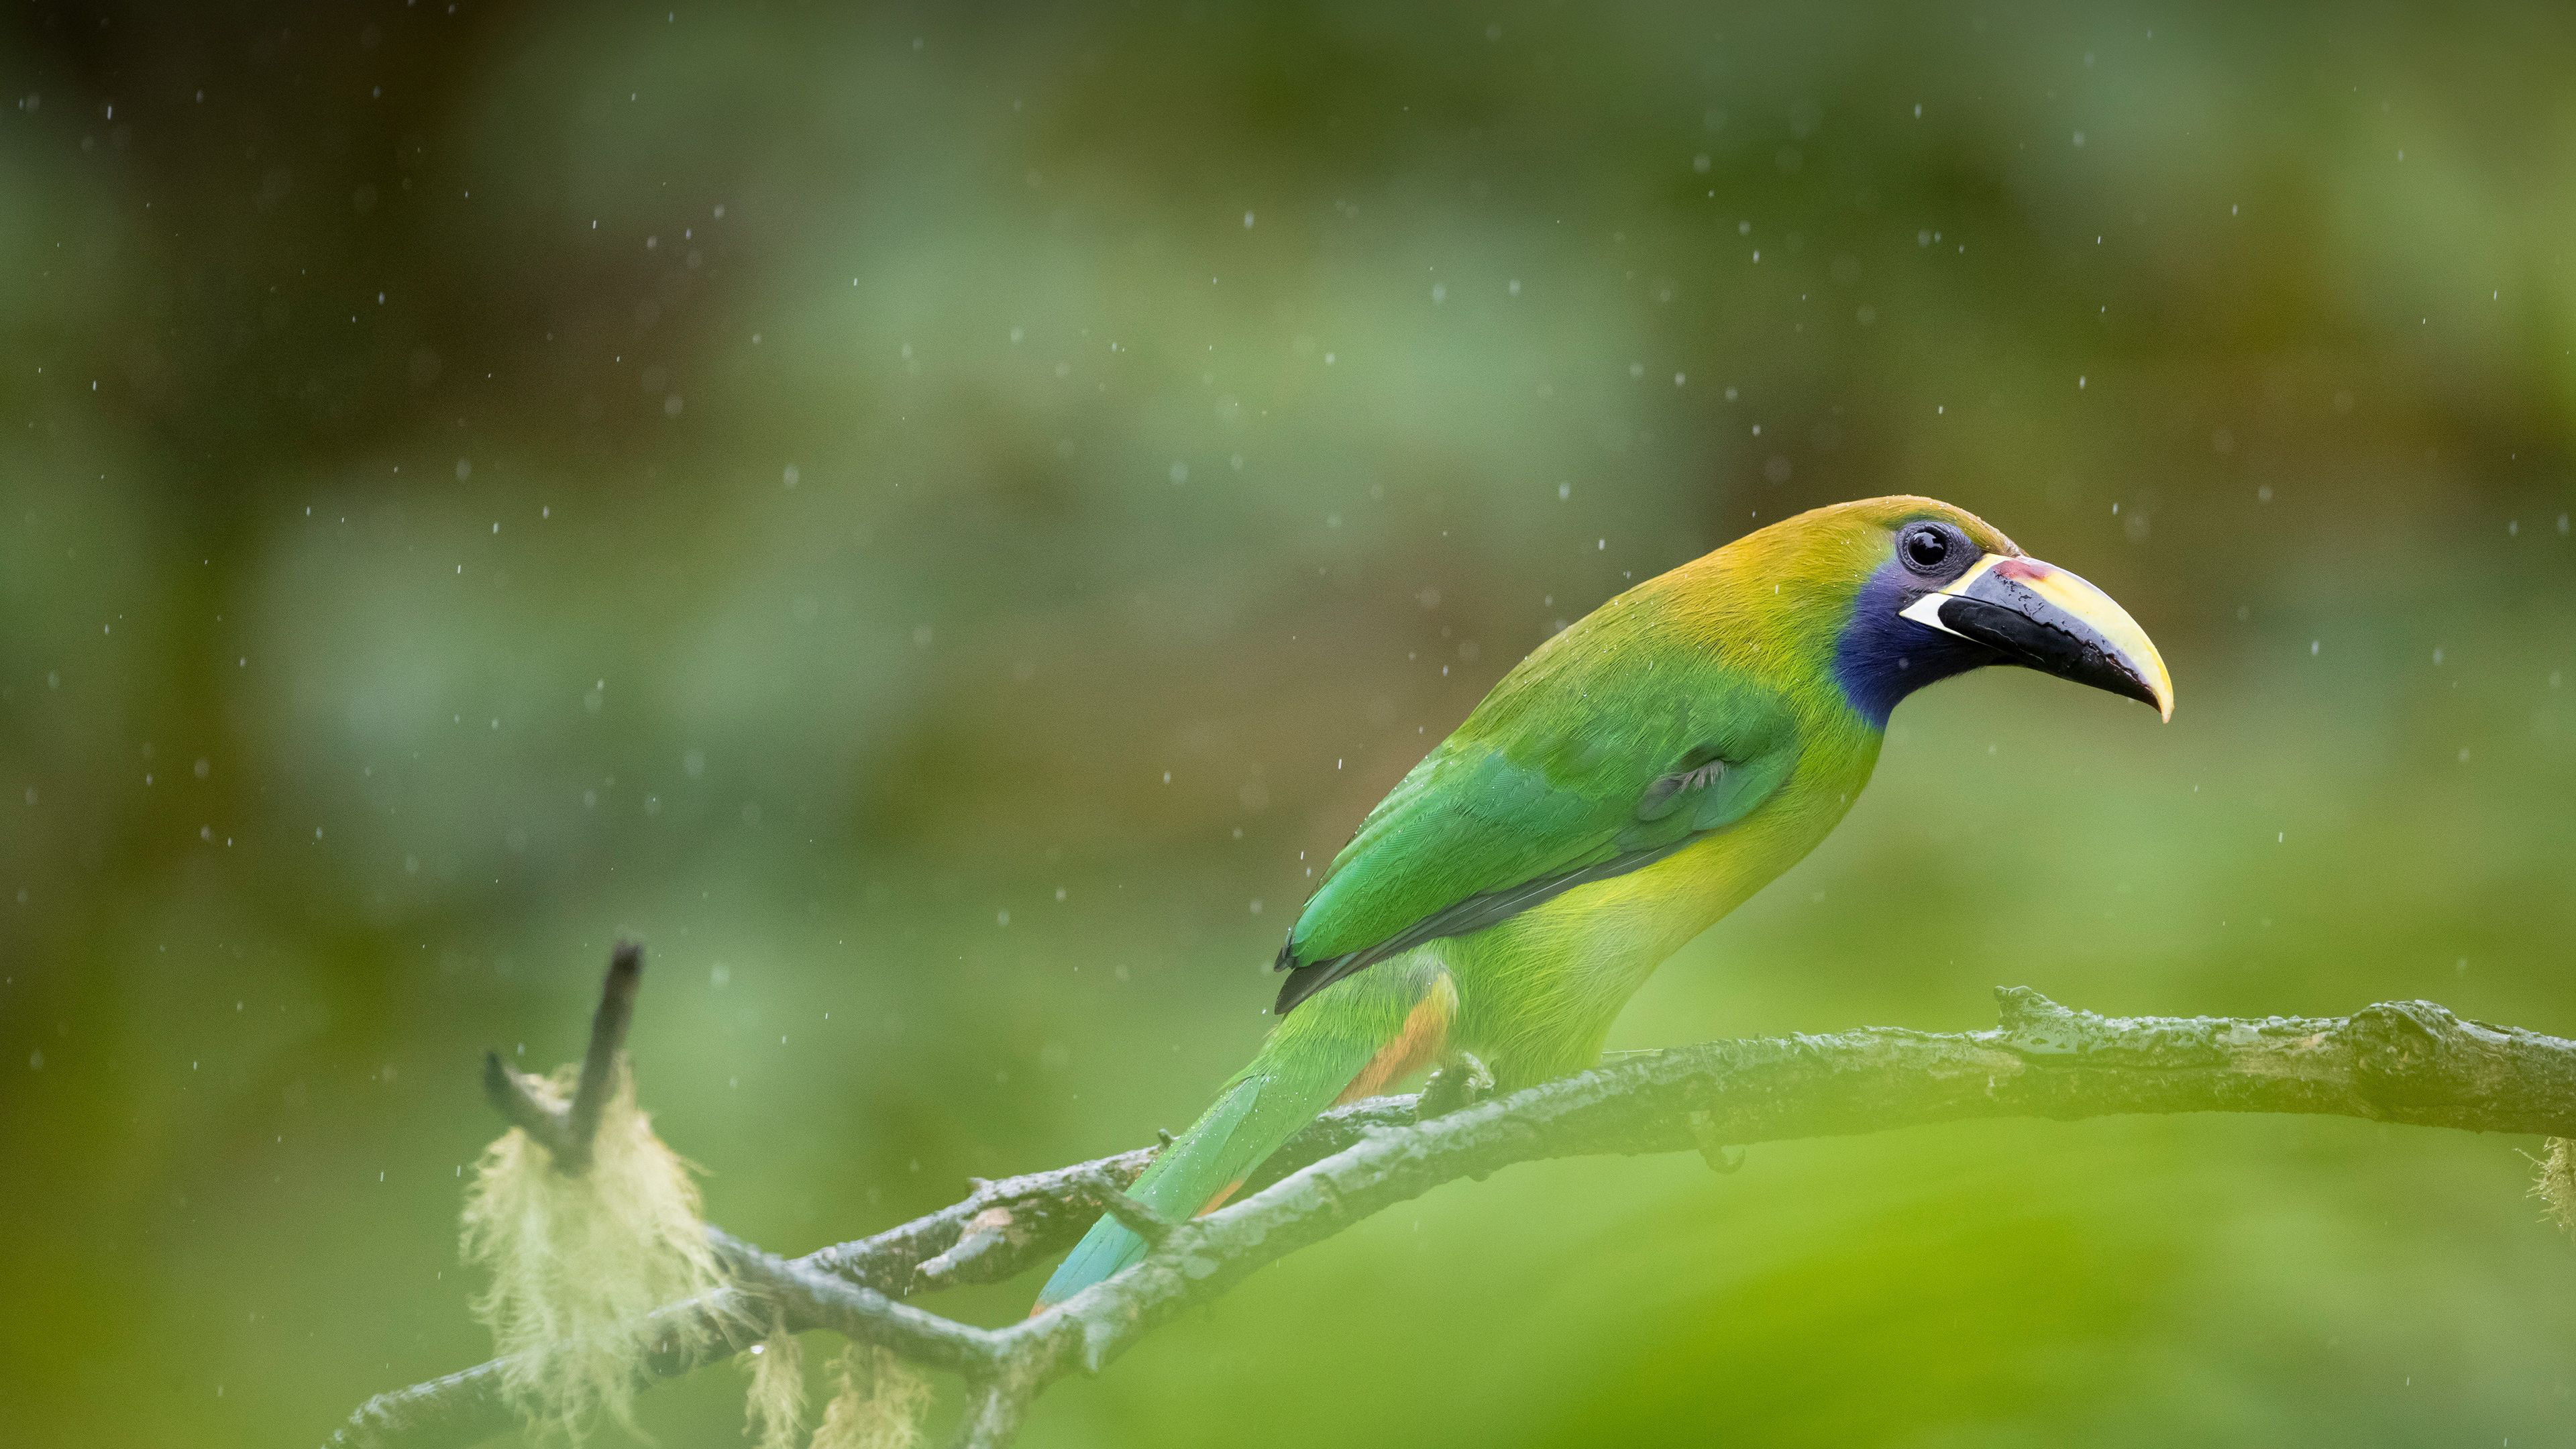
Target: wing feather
(1481,831)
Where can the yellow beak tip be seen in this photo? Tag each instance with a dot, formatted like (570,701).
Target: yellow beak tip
(2161,686)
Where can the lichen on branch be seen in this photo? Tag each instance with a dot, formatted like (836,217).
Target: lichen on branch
(578,1264)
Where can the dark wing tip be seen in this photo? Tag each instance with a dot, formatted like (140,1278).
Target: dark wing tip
(1305,981)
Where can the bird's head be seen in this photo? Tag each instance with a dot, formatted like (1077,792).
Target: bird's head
(1935,591)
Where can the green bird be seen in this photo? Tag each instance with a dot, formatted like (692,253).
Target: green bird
(1633,780)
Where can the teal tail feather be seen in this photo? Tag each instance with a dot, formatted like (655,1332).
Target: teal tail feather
(1356,1026)
(1198,1165)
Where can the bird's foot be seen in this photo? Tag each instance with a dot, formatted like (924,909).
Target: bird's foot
(1722,1156)
(1461,1082)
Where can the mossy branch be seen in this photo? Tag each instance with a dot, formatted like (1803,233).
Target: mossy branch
(568,1130)
(2408,1062)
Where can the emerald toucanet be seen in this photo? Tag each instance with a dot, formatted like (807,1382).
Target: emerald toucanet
(1631,781)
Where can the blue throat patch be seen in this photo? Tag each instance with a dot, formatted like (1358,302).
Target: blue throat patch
(1881,658)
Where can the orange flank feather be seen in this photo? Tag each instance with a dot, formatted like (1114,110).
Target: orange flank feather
(1426,1031)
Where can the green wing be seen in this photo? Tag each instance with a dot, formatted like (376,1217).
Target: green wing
(1499,819)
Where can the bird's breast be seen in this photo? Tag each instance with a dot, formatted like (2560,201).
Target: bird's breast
(1613,933)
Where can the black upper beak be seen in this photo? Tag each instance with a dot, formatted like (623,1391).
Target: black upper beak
(2042,617)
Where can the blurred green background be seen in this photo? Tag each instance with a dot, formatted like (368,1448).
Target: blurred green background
(933,518)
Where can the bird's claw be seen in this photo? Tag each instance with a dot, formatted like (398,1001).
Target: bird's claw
(1460,1083)
(1721,1156)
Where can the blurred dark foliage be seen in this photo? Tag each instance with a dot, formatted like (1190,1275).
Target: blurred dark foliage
(938,519)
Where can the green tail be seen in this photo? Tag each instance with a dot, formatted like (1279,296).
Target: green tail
(1307,1061)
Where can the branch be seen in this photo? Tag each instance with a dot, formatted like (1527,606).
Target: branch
(810,1297)
(1110,1196)
(2407,1062)
(599,1065)
(567,1131)
(1000,1230)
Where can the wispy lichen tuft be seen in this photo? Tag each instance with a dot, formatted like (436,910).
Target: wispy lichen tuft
(2556,1187)
(775,1409)
(578,1264)
(879,1403)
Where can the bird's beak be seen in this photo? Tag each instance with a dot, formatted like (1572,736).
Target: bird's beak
(2043,617)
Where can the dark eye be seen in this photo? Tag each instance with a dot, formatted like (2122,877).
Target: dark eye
(1926,548)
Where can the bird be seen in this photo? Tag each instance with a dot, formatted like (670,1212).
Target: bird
(1632,780)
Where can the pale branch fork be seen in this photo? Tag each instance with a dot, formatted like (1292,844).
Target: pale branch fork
(2409,1062)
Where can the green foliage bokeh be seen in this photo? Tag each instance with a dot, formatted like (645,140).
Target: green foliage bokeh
(937,519)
